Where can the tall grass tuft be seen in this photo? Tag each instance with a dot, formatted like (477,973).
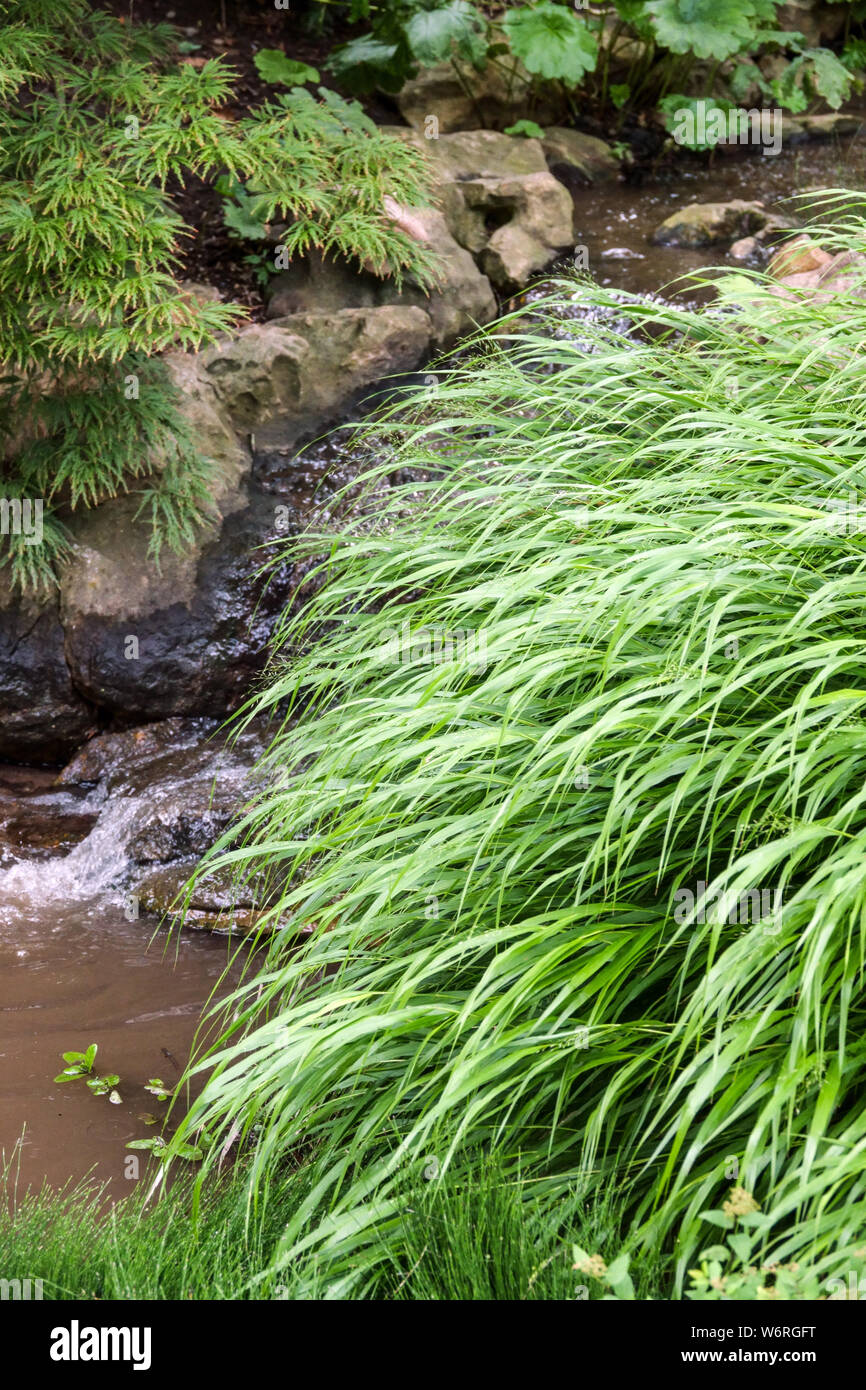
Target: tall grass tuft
(569,788)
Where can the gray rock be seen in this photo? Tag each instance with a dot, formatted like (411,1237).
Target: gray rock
(831,124)
(748,250)
(305,369)
(460,300)
(186,638)
(488,182)
(573,156)
(42,715)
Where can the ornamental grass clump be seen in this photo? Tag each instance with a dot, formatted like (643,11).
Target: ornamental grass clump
(598,903)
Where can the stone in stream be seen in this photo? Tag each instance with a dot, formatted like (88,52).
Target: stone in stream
(825,276)
(163,794)
(38,820)
(797,256)
(217,902)
(748,249)
(704,224)
(575,157)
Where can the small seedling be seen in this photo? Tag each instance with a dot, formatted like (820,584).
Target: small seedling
(78,1064)
(101,1085)
(159,1148)
(158,1088)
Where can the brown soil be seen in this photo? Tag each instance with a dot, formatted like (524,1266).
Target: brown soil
(236,30)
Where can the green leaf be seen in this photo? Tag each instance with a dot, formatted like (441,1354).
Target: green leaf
(693,134)
(90,1056)
(741,1245)
(527,128)
(708,28)
(552,42)
(243,222)
(744,77)
(714,1252)
(619,94)
(189,1151)
(156,1145)
(452,30)
(717,1218)
(619,1278)
(274,66)
(827,76)
(366,63)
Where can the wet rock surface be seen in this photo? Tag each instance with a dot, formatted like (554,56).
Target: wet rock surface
(38,820)
(215,903)
(134,811)
(187,638)
(43,717)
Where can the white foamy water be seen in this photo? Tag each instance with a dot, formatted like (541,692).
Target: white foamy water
(97,863)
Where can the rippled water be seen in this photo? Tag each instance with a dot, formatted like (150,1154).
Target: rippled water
(79,966)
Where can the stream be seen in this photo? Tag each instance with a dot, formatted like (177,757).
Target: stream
(82,957)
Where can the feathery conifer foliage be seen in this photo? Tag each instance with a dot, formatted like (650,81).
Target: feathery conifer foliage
(98,119)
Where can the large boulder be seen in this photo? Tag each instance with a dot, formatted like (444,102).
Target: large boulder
(42,715)
(575,157)
(186,637)
(303,370)
(460,300)
(136,639)
(500,201)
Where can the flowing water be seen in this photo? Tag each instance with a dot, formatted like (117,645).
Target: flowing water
(77,964)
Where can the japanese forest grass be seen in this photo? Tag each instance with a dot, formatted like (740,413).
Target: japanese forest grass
(637,515)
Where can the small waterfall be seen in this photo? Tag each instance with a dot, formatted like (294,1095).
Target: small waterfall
(164,805)
(88,870)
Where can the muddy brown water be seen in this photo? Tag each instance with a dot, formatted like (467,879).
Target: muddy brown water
(74,969)
(78,965)
(75,973)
